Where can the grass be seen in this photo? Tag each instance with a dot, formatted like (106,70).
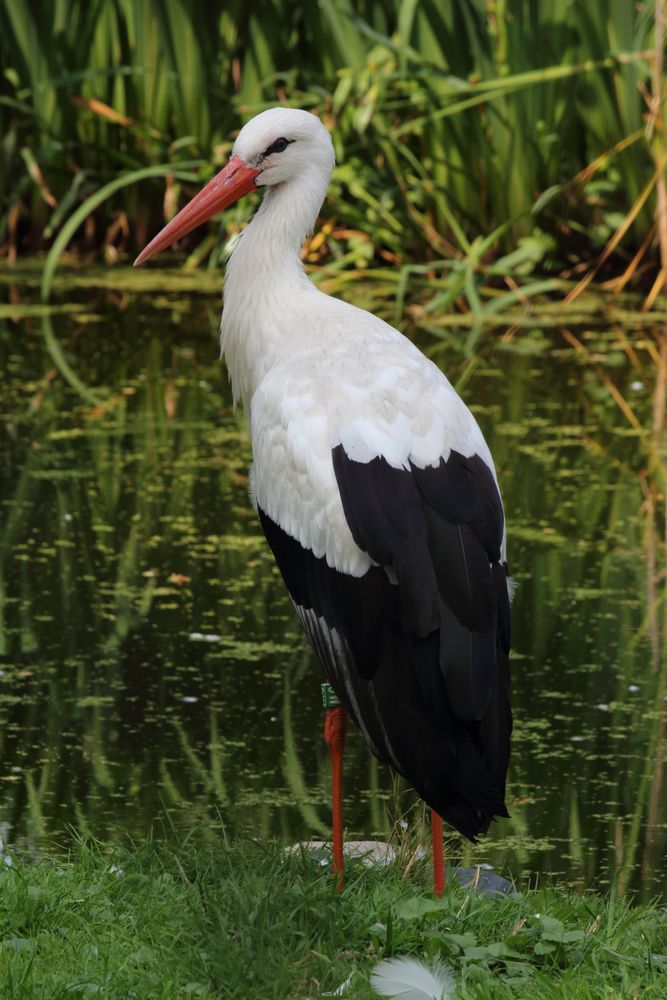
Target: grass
(240,920)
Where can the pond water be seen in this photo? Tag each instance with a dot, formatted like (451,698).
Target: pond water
(152,673)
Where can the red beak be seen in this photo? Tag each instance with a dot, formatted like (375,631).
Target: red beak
(233,181)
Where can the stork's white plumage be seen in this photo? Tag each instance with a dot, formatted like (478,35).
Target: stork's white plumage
(374,486)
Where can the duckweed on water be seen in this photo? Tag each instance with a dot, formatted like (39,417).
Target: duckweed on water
(127,531)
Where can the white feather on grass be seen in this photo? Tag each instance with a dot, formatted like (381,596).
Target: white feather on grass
(410,979)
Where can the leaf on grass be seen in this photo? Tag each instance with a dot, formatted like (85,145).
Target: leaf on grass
(417,907)
(476,952)
(570,936)
(553,926)
(460,941)
(500,949)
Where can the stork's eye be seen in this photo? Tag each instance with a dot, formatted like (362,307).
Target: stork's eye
(279,146)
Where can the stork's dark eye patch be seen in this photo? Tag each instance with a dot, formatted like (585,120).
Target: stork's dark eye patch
(279,146)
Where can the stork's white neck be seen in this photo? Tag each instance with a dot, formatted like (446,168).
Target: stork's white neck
(265,281)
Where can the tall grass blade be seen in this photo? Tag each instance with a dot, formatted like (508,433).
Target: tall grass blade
(89,205)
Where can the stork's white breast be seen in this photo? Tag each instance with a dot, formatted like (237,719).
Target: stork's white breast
(368,389)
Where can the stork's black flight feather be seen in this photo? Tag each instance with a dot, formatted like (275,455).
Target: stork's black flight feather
(417,648)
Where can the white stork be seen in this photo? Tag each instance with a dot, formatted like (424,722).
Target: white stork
(375,489)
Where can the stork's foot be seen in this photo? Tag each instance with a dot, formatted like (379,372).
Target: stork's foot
(335,730)
(438,855)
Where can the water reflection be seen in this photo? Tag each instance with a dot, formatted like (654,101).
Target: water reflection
(152,673)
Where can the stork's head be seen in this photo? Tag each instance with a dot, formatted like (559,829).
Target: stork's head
(282,143)
(278,146)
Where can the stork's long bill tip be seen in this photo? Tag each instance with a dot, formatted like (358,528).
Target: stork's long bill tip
(234,180)
(145,253)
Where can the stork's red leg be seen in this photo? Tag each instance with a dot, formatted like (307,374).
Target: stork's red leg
(335,729)
(438,855)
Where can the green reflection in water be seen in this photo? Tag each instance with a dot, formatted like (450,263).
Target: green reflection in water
(152,672)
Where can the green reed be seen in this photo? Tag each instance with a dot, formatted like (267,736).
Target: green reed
(462,130)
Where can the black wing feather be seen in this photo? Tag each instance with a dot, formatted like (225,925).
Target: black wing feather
(417,647)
